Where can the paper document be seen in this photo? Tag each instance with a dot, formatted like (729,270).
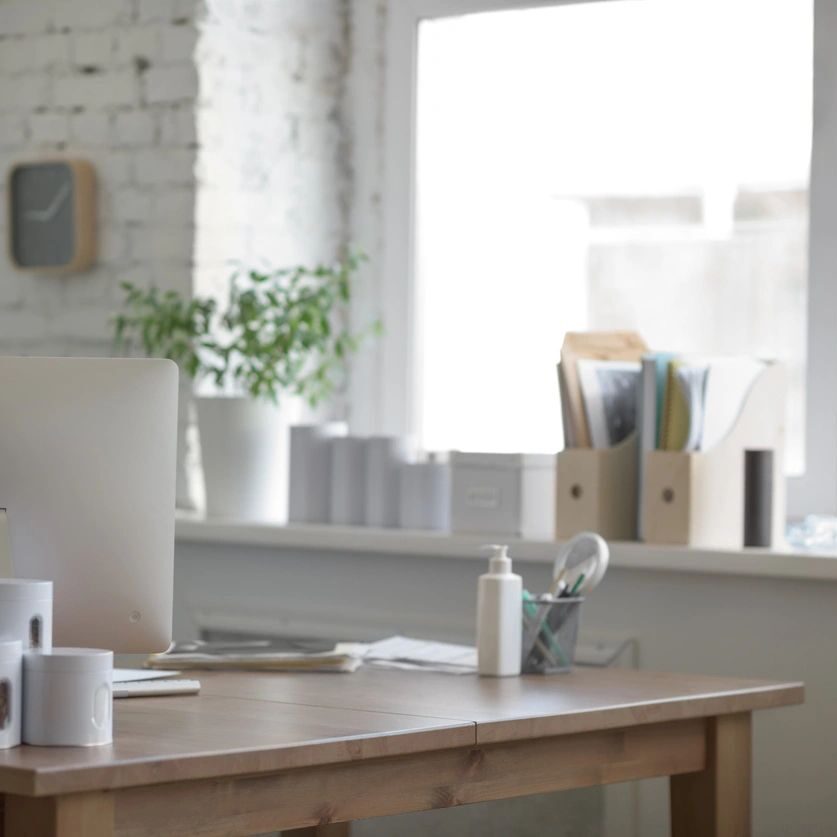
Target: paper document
(692,382)
(609,391)
(592,345)
(727,385)
(134,675)
(407,653)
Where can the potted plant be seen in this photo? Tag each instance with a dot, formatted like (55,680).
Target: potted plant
(281,333)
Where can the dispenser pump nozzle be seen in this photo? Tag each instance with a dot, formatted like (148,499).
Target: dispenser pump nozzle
(499,561)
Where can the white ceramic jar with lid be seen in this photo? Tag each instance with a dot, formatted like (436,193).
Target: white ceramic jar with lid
(11,683)
(68,697)
(26,612)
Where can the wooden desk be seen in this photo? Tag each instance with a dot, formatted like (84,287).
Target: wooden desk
(259,752)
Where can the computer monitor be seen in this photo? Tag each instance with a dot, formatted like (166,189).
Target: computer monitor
(87,478)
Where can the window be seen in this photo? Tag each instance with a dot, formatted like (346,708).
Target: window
(746,215)
(605,165)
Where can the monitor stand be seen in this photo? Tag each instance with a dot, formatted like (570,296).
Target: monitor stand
(6,567)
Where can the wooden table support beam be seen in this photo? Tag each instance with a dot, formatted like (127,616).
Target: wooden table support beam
(716,802)
(74,815)
(322,796)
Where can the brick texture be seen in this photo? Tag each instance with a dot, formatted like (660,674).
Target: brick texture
(112,81)
(272,172)
(219,132)
(75,77)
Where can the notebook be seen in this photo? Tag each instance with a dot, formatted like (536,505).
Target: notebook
(703,398)
(650,399)
(566,419)
(609,388)
(674,429)
(592,345)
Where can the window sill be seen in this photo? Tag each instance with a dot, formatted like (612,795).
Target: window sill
(763,563)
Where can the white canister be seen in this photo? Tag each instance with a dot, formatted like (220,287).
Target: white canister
(26,612)
(243,453)
(348,480)
(425,495)
(11,687)
(68,697)
(309,485)
(384,457)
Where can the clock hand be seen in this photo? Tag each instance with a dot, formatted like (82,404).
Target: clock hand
(55,205)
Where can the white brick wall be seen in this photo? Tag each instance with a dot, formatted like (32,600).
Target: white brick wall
(112,81)
(364,120)
(117,82)
(77,77)
(171,84)
(92,48)
(272,175)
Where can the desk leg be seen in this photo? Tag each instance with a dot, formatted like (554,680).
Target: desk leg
(88,814)
(336,829)
(716,801)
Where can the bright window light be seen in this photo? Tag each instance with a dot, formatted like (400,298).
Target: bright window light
(605,165)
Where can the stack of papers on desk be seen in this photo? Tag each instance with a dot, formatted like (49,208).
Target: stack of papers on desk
(394,652)
(231,657)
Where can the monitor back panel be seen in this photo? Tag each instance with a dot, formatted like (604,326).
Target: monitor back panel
(87,478)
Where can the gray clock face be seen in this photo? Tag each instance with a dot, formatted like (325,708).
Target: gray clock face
(42,223)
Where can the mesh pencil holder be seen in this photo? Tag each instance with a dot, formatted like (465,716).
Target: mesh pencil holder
(550,631)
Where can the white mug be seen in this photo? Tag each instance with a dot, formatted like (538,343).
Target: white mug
(68,697)
(11,683)
(26,612)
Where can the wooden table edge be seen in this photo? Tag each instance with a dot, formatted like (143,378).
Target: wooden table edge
(754,699)
(455,733)
(294,798)
(43,782)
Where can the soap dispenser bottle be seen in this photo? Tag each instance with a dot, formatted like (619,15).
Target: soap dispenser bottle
(499,617)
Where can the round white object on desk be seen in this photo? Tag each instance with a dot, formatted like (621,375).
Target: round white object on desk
(68,697)
(348,481)
(384,457)
(26,612)
(11,689)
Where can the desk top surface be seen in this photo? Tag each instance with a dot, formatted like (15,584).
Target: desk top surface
(264,722)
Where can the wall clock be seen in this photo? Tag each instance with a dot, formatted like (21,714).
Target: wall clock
(52,215)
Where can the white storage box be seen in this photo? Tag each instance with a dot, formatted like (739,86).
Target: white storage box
(506,494)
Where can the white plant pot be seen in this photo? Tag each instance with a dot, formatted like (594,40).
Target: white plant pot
(243,451)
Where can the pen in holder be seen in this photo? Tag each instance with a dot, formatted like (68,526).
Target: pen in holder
(550,631)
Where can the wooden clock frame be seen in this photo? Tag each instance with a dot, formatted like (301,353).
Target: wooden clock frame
(84,216)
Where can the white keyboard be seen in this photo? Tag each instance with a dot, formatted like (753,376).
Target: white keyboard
(155,688)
